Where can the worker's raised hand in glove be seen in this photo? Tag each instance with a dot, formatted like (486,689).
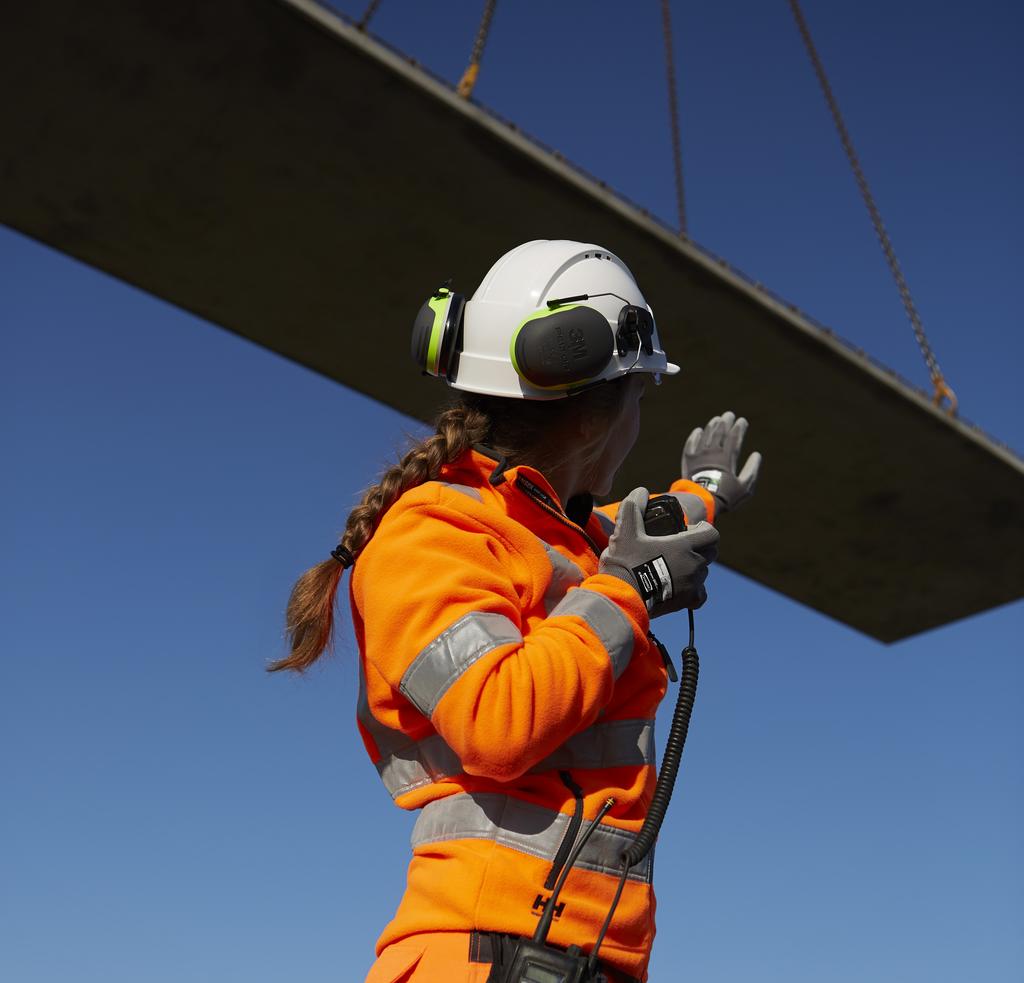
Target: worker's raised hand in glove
(668,572)
(711,458)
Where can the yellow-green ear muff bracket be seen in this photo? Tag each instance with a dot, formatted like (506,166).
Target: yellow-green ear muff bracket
(435,330)
(439,304)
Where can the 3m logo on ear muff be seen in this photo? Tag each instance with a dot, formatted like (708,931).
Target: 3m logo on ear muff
(561,347)
(435,332)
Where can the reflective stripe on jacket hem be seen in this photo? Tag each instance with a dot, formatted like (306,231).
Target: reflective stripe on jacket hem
(617,744)
(523,826)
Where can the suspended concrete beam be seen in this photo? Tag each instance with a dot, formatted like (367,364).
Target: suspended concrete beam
(266,166)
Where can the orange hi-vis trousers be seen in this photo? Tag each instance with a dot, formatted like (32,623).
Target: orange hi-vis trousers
(429,957)
(442,957)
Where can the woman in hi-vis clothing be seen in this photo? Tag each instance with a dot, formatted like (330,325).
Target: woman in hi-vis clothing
(508,674)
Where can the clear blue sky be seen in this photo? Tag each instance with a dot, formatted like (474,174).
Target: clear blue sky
(846,811)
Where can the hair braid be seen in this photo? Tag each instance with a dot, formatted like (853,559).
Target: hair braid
(310,613)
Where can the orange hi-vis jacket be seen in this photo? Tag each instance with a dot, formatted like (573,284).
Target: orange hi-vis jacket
(507,689)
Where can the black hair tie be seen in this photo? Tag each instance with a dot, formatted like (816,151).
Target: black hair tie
(343,556)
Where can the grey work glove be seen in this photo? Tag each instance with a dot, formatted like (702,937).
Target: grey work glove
(711,458)
(668,572)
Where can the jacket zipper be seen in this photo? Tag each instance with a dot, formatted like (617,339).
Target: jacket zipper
(535,494)
(571,831)
(538,496)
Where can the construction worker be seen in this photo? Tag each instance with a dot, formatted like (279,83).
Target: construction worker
(508,675)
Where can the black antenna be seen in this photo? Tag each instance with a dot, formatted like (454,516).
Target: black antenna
(544,925)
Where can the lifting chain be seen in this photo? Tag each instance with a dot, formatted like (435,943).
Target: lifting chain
(942,392)
(468,80)
(673,112)
(371,9)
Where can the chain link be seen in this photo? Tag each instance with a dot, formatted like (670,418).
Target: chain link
(673,112)
(371,9)
(469,77)
(942,392)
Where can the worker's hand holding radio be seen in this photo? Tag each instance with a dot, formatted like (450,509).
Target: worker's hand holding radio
(711,458)
(668,571)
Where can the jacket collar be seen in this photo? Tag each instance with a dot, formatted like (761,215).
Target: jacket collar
(487,465)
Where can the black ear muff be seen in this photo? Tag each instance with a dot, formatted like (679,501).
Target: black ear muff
(421,329)
(435,332)
(562,348)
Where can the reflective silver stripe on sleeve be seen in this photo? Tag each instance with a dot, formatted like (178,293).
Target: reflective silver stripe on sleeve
(523,826)
(606,620)
(564,574)
(417,764)
(607,523)
(387,740)
(405,764)
(694,507)
(449,655)
(617,744)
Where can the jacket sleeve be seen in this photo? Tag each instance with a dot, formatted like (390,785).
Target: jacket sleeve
(442,596)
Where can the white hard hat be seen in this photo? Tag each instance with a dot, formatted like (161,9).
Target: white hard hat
(550,318)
